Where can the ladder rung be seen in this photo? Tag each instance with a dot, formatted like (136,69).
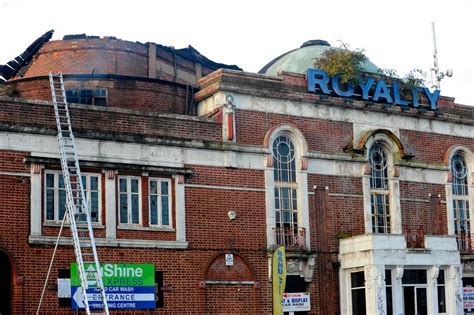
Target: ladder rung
(83,238)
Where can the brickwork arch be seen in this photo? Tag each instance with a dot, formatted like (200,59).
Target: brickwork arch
(287,129)
(388,137)
(229,289)
(216,269)
(465,151)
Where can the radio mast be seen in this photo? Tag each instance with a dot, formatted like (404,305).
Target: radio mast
(437,76)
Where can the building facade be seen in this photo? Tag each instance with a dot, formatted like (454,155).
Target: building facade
(186,160)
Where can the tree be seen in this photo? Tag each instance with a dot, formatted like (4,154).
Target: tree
(342,61)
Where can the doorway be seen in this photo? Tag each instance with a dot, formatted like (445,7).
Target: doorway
(415,300)
(5,284)
(414,292)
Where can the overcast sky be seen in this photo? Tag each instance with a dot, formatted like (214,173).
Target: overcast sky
(394,34)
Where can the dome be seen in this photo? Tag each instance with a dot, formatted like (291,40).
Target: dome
(301,59)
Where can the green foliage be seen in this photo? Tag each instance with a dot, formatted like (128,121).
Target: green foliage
(342,61)
(415,78)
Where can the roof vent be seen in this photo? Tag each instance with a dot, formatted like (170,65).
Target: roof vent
(315,42)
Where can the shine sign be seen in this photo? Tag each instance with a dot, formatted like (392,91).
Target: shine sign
(127,286)
(369,89)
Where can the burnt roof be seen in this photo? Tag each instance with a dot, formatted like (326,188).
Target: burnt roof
(13,66)
(193,54)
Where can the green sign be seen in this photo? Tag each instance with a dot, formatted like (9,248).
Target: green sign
(117,274)
(127,286)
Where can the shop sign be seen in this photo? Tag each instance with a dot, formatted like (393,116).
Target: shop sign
(127,286)
(468,298)
(369,89)
(296,302)
(278,278)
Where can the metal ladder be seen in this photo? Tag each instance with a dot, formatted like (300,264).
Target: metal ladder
(77,206)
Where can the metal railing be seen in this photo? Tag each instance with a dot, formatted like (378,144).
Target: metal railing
(415,236)
(464,243)
(291,238)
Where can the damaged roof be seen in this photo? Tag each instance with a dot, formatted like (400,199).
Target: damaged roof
(189,52)
(13,66)
(193,54)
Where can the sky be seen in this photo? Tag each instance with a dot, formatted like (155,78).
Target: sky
(250,33)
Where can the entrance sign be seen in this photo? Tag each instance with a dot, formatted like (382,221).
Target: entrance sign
(127,286)
(278,278)
(369,89)
(296,302)
(468,298)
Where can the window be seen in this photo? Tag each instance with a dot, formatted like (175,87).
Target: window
(55,195)
(358,293)
(160,202)
(379,190)
(87,96)
(462,220)
(286,205)
(388,290)
(441,292)
(129,200)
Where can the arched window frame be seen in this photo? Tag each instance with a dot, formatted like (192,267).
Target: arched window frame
(392,191)
(464,241)
(301,183)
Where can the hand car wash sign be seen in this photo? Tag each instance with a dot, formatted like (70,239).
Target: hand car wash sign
(368,89)
(127,286)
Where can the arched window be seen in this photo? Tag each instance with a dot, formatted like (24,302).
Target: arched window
(286,187)
(460,191)
(379,188)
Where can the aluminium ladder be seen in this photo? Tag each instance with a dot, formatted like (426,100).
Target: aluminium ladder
(77,207)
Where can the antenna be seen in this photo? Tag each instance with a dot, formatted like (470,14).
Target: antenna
(438,76)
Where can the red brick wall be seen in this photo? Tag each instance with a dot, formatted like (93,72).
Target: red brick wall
(12,161)
(210,227)
(100,56)
(152,96)
(230,299)
(252,126)
(416,211)
(132,124)
(183,270)
(15,220)
(430,147)
(219,176)
(346,206)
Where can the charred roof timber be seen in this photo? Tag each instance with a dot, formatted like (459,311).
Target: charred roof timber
(193,54)
(12,67)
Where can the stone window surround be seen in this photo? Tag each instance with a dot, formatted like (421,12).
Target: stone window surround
(83,174)
(469,159)
(392,151)
(111,226)
(129,193)
(159,206)
(301,178)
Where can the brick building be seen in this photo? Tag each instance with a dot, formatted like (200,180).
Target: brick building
(186,160)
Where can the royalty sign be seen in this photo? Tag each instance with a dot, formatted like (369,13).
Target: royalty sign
(127,286)
(370,89)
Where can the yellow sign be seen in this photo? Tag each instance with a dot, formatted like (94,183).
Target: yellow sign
(278,278)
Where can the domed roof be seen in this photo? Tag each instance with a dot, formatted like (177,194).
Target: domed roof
(301,59)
